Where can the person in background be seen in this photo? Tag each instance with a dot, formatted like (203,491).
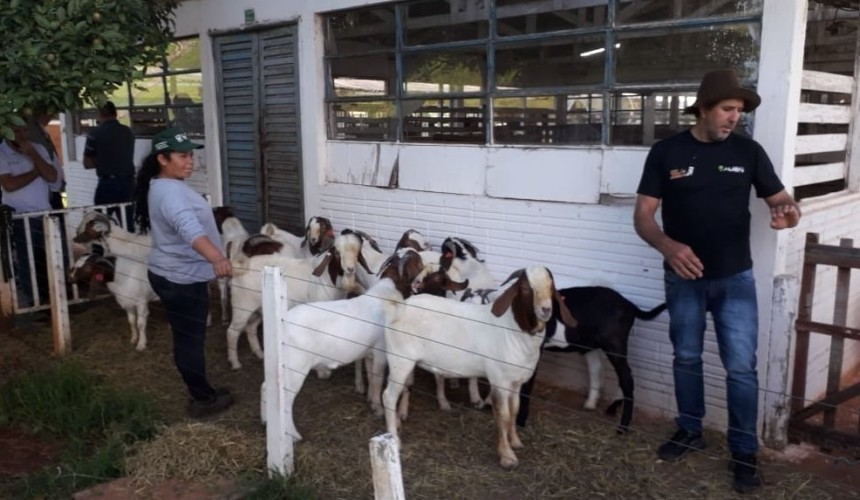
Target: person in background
(186,255)
(703,178)
(27,176)
(109,150)
(39,135)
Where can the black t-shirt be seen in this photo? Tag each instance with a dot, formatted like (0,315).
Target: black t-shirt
(112,145)
(705,189)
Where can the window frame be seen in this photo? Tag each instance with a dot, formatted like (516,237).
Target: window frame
(167,105)
(607,89)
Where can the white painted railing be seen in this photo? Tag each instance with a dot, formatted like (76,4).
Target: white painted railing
(825,143)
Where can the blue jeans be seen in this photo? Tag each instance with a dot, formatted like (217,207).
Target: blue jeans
(733,306)
(116,190)
(187,307)
(24,280)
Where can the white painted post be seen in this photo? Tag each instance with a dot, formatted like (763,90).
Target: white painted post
(777,404)
(57,286)
(385,464)
(852,160)
(279,444)
(780,74)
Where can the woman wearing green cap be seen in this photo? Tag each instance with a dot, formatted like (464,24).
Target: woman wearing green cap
(185,257)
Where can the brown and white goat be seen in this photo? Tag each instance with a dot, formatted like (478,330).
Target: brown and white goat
(130,285)
(501,341)
(327,276)
(330,334)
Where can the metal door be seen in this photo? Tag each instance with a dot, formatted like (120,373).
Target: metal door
(260,134)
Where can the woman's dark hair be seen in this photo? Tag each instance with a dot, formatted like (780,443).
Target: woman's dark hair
(148,170)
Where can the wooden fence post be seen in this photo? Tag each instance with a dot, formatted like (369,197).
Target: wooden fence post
(57,286)
(385,464)
(279,444)
(7,291)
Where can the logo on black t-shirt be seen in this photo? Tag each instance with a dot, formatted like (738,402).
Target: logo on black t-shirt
(731,170)
(678,173)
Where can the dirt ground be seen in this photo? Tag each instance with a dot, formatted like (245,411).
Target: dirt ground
(569,453)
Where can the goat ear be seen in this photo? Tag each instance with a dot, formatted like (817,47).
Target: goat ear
(566,317)
(323,265)
(514,275)
(228,249)
(456,286)
(504,301)
(364,263)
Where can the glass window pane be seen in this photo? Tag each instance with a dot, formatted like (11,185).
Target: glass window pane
(686,55)
(371,120)
(188,118)
(439,21)
(523,17)
(363,75)
(646,117)
(558,119)
(637,11)
(120,96)
(186,88)
(445,71)
(148,91)
(360,31)
(577,61)
(444,120)
(183,55)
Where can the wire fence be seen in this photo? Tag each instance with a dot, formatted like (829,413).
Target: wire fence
(61,257)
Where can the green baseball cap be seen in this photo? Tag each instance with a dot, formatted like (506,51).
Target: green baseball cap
(173,139)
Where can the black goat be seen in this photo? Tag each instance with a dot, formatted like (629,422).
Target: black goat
(605,319)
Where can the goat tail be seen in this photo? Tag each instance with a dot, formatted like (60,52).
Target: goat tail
(646,315)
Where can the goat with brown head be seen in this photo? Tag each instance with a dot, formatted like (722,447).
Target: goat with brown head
(92,273)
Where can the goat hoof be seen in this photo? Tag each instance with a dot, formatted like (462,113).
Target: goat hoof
(509,463)
(236,366)
(478,405)
(445,406)
(140,348)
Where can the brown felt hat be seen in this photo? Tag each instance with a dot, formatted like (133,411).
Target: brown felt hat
(719,85)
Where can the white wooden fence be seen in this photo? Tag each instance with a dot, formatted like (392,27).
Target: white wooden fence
(384,452)
(822,145)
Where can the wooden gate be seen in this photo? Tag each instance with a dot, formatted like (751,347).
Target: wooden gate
(816,422)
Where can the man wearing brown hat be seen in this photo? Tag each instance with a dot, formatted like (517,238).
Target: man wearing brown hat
(702,177)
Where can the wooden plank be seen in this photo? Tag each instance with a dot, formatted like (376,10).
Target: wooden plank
(832,256)
(385,466)
(827,329)
(823,113)
(273,410)
(804,313)
(814,174)
(830,439)
(827,82)
(837,349)
(830,401)
(60,327)
(820,143)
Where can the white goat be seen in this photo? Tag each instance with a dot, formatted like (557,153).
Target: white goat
(332,333)
(319,235)
(458,339)
(233,234)
(328,276)
(130,285)
(460,259)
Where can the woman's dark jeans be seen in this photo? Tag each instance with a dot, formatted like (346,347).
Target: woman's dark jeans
(187,309)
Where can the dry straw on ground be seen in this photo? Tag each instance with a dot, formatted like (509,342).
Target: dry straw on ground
(198,451)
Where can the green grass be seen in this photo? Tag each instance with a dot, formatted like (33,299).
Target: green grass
(94,420)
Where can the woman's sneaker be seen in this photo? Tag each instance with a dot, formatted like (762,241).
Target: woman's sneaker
(218,402)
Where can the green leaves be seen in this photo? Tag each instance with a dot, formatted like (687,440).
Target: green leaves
(70,52)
